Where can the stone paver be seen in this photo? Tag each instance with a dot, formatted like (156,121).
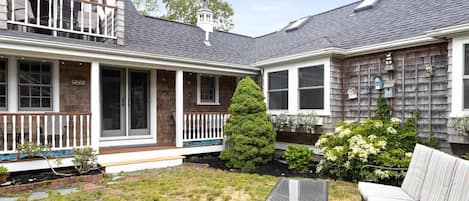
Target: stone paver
(67,191)
(8,199)
(90,187)
(38,196)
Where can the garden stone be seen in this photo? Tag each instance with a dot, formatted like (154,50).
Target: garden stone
(38,196)
(8,199)
(66,191)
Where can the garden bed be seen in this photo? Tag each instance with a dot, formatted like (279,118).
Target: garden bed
(28,180)
(273,168)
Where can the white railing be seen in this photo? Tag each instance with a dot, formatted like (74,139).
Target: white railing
(200,126)
(69,16)
(60,131)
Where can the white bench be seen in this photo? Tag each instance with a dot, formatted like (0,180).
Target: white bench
(432,176)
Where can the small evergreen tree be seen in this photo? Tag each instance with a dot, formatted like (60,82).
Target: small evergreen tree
(382,110)
(250,134)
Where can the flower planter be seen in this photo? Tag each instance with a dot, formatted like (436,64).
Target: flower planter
(297,137)
(3,178)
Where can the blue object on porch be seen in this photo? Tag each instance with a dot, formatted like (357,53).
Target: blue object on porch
(56,154)
(203,143)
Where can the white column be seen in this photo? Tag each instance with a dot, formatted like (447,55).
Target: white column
(12,85)
(95,106)
(179,107)
(293,91)
(56,84)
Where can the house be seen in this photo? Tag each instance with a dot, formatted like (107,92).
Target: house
(143,91)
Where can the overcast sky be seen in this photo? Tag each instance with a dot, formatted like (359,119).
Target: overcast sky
(259,17)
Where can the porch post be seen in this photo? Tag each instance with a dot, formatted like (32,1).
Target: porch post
(3,14)
(179,107)
(95,106)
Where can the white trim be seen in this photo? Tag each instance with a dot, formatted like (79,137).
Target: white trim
(19,45)
(142,166)
(457,75)
(56,85)
(448,31)
(143,140)
(153,105)
(12,84)
(293,95)
(217,90)
(19,166)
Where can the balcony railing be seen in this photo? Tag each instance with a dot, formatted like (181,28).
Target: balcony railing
(200,126)
(60,131)
(70,18)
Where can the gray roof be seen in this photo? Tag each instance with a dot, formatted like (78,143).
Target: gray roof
(342,28)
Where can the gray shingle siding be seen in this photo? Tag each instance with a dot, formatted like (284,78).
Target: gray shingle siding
(389,20)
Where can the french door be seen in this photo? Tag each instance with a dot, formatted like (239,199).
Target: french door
(125,103)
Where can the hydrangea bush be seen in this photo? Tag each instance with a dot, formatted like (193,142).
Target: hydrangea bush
(378,141)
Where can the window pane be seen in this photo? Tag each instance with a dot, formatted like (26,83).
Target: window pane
(35,78)
(138,98)
(45,79)
(312,99)
(45,102)
(24,102)
(466,59)
(24,90)
(3,89)
(35,102)
(207,89)
(35,91)
(466,94)
(24,72)
(278,80)
(45,91)
(311,76)
(3,102)
(278,100)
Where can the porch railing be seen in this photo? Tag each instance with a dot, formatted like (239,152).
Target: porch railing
(60,131)
(200,126)
(68,16)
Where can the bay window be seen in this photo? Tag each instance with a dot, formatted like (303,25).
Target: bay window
(311,87)
(278,90)
(35,85)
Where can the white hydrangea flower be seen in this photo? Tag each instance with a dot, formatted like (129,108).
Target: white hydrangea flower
(348,122)
(347,165)
(382,144)
(339,148)
(372,137)
(320,142)
(391,130)
(408,154)
(360,149)
(345,132)
(395,120)
(382,174)
(338,129)
(378,124)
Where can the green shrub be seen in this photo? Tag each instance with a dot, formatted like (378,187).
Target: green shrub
(84,159)
(369,142)
(382,110)
(298,158)
(3,170)
(31,149)
(250,135)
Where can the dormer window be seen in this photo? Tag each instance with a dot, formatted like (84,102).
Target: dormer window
(297,24)
(365,5)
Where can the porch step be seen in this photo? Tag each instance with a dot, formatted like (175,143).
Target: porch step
(141,164)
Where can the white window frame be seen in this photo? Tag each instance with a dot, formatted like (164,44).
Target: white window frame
(457,76)
(293,85)
(267,95)
(310,87)
(51,84)
(217,90)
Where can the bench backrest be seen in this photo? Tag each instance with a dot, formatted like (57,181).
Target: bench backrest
(414,179)
(459,189)
(438,177)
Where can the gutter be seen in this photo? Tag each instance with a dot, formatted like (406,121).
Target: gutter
(117,52)
(430,37)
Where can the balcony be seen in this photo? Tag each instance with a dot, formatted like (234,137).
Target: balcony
(80,19)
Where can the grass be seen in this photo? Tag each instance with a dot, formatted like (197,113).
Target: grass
(195,183)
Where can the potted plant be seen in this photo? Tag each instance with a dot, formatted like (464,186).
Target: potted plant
(461,124)
(3,174)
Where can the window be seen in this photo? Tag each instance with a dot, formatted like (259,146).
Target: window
(207,88)
(466,76)
(3,83)
(35,85)
(311,87)
(278,90)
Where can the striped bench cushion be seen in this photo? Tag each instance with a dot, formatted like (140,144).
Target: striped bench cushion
(415,176)
(460,183)
(438,177)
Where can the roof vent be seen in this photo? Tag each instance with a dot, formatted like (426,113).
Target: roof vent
(365,5)
(296,24)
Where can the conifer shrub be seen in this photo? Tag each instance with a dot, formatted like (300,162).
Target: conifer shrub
(250,136)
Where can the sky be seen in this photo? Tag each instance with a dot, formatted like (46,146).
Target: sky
(260,17)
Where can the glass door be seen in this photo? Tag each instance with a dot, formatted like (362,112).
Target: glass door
(125,103)
(139,103)
(113,102)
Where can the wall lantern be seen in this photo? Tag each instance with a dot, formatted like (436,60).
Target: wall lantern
(388,62)
(378,82)
(352,93)
(389,88)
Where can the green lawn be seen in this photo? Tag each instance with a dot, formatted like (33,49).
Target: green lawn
(196,183)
